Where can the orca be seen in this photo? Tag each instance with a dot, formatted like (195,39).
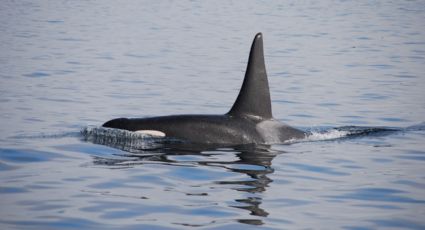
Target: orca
(249,121)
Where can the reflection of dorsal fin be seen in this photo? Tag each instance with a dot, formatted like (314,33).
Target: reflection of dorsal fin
(254,96)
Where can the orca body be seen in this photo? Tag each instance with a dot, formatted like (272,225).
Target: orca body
(249,121)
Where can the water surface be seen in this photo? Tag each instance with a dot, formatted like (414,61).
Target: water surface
(66,66)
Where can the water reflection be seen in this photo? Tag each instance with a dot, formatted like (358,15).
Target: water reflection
(253,162)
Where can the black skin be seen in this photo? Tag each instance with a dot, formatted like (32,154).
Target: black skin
(210,129)
(196,128)
(249,121)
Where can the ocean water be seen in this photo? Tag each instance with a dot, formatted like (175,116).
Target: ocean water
(349,72)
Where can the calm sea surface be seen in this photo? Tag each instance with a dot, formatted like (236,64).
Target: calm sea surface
(68,66)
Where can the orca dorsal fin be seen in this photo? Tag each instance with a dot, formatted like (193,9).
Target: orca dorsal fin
(254,96)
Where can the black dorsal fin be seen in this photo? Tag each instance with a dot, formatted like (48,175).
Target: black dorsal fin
(254,96)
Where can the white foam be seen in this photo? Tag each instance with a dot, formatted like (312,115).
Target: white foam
(328,135)
(122,139)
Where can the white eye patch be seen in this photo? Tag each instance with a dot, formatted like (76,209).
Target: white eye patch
(154,133)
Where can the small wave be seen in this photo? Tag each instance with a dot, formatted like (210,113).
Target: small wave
(327,135)
(346,132)
(47,135)
(418,127)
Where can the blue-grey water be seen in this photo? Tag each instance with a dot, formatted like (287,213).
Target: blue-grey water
(68,66)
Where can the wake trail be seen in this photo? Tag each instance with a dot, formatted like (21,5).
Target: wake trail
(128,140)
(348,132)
